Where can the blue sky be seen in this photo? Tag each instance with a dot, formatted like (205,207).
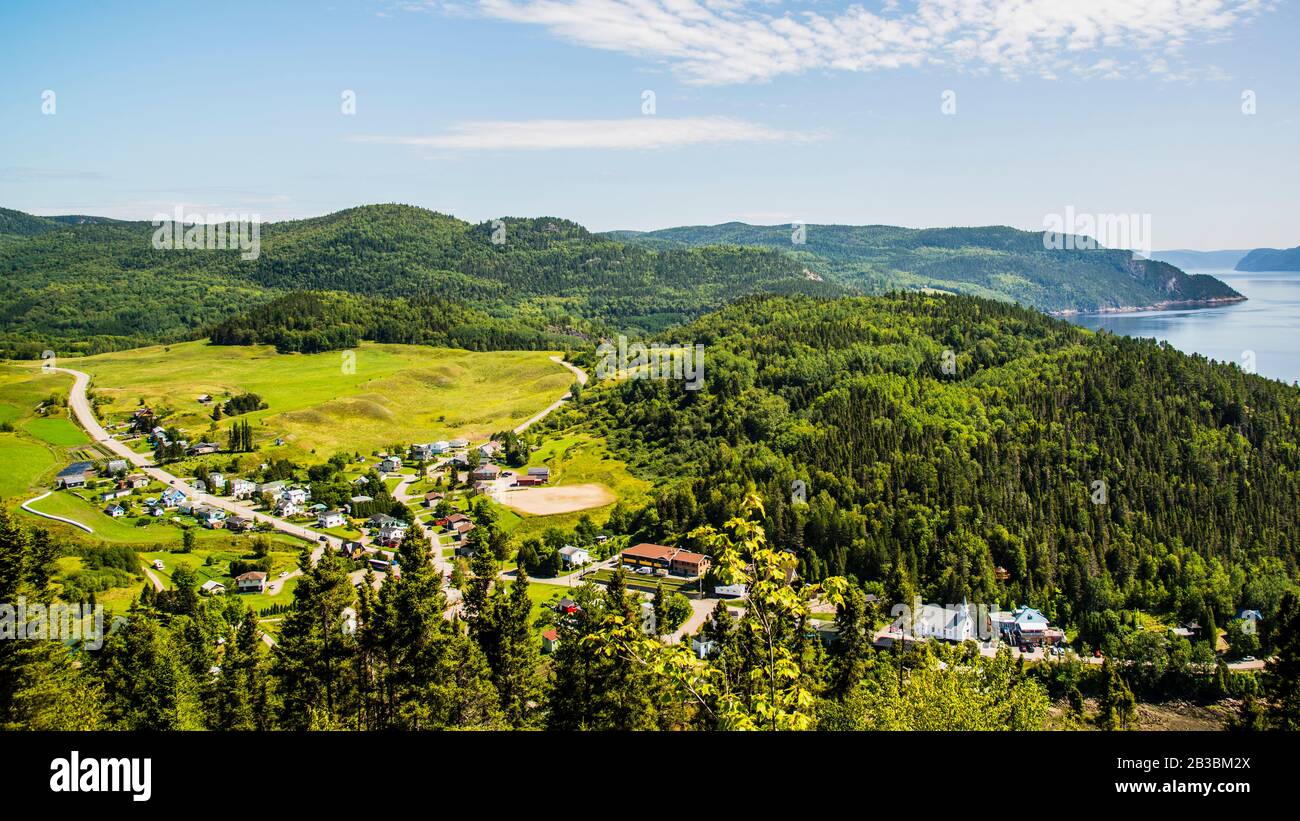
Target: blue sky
(766,112)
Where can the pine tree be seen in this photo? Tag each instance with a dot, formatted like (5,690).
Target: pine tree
(1282,671)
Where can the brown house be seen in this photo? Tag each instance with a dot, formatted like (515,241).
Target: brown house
(675,560)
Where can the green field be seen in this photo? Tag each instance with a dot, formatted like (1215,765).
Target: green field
(31,450)
(326,402)
(59,431)
(23,462)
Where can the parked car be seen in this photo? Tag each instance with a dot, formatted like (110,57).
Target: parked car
(644,571)
(661,572)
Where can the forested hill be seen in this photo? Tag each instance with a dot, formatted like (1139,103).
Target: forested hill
(997,262)
(84,285)
(1271,259)
(930,482)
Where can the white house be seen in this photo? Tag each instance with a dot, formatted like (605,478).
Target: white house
(212,587)
(216,481)
(287,508)
(296,495)
(391,464)
(242,488)
(117,466)
(574,556)
(330,518)
(252,581)
(392,533)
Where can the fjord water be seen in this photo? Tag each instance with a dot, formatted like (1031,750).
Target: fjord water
(1267,323)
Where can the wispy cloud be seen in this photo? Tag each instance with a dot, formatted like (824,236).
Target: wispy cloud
(713,42)
(649,132)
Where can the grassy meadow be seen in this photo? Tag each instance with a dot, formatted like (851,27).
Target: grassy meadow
(359,400)
(32,447)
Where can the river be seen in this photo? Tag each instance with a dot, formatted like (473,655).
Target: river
(1266,327)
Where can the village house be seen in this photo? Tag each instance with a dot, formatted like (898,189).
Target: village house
(213,518)
(217,481)
(254,581)
(457,444)
(550,640)
(272,488)
(116,466)
(284,507)
(116,511)
(136,481)
(115,493)
(379,520)
(541,474)
(203,448)
(75,475)
(238,524)
(391,464)
(485,473)
(242,488)
(171,497)
(432,498)
(330,518)
(422,453)
(574,556)
(675,560)
(199,485)
(212,587)
(392,533)
(297,495)
(489,450)
(1025,626)
(352,550)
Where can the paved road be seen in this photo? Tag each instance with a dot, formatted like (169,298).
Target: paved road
(582,380)
(81,409)
(25,507)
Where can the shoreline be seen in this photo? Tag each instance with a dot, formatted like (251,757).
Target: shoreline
(1171,305)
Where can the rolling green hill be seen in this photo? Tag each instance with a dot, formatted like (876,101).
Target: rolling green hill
(930,478)
(90,286)
(996,262)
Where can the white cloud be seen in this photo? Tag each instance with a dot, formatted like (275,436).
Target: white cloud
(711,42)
(649,132)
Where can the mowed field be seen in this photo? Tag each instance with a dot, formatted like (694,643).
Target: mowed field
(361,400)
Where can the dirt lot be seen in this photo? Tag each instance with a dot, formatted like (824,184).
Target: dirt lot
(544,501)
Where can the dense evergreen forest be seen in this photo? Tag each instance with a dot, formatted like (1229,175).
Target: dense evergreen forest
(1104,475)
(993,261)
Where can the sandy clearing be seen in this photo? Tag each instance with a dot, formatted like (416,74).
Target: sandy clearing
(545,501)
